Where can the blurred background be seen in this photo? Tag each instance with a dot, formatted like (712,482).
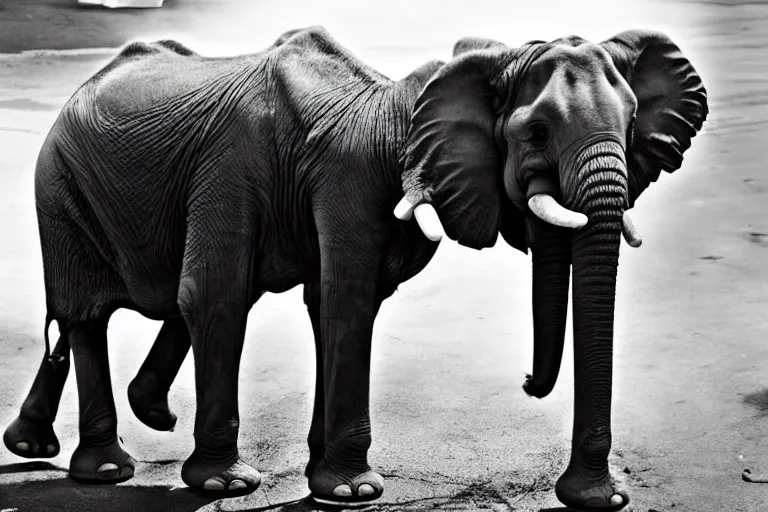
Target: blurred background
(397,35)
(452,429)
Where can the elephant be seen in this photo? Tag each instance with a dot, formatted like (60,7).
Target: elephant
(184,187)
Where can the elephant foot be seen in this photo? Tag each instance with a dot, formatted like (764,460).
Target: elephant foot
(32,439)
(315,456)
(579,492)
(235,478)
(101,464)
(330,487)
(150,404)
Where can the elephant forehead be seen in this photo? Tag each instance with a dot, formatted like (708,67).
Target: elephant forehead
(577,60)
(569,75)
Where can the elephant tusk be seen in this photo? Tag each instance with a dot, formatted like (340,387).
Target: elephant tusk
(404,209)
(426,216)
(547,209)
(629,231)
(429,222)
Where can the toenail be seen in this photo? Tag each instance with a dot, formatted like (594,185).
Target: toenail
(51,448)
(342,490)
(107,466)
(213,484)
(365,490)
(616,499)
(237,484)
(21,445)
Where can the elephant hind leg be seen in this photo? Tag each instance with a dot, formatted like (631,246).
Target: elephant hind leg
(82,291)
(148,391)
(31,434)
(99,457)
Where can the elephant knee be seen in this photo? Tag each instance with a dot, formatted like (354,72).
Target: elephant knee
(187,296)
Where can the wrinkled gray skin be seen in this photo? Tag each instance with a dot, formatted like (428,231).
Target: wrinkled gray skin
(185,187)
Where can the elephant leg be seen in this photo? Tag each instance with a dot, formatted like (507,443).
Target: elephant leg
(31,434)
(214,298)
(316,437)
(99,456)
(348,306)
(148,391)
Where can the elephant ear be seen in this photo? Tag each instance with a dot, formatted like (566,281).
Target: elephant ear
(513,226)
(451,158)
(672,104)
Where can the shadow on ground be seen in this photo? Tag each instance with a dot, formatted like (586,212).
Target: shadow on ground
(67,494)
(758,400)
(34,489)
(64,493)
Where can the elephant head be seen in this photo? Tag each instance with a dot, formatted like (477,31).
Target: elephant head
(549,144)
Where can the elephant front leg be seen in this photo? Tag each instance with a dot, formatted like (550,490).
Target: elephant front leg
(215,308)
(316,437)
(31,434)
(148,391)
(348,307)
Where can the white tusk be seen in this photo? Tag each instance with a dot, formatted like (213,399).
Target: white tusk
(429,222)
(426,216)
(630,233)
(547,209)
(404,209)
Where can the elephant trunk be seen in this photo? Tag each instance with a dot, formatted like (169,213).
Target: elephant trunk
(551,276)
(601,194)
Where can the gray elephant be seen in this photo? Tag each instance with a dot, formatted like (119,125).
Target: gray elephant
(184,187)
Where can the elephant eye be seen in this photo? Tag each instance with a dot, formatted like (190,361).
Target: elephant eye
(539,135)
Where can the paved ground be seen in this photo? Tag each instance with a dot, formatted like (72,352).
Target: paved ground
(452,428)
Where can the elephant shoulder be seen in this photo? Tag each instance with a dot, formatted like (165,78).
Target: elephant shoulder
(312,57)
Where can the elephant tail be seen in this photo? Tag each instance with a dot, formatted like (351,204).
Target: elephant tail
(48,319)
